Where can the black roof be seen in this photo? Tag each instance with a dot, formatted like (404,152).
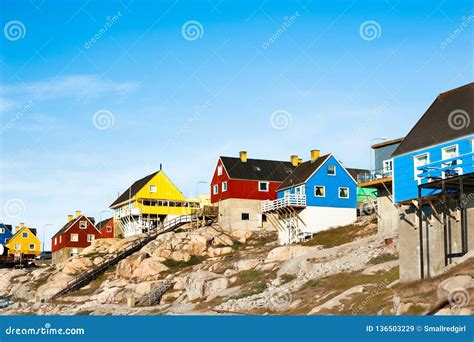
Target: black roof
(102,223)
(446,119)
(6,226)
(134,189)
(355,172)
(66,227)
(257,169)
(303,172)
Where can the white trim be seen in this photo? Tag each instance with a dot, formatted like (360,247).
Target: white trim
(387,161)
(263,182)
(81,222)
(339,192)
(324,191)
(155,188)
(90,237)
(304,181)
(415,167)
(29,246)
(215,189)
(448,147)
(224,186)
(76,237)
(17,246)
(2,230)
(219,170)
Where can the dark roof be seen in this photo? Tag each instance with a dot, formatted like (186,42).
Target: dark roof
(134,189)
(6,226)
(257,169)
(64,229)
(303,172)
(446,119)
(33,230)
(387,143)
(102,223)
(355,172)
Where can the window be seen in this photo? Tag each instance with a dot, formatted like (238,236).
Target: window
(24,235)
(450,152)
(74,252)
(287,193)
(83,224)
(299,190)
(343,192)
(215,189)
(32,246)
(90,237)
(331,170)
(224,186)
(55,241)
(263,186)
(319,191)
(109,229)
(219,170)
(245,216)
(17,246)
(74,237)
(387,167)
(2,230)
(6,241)
(60,238)
(264,218)
(153,188)
(421,160)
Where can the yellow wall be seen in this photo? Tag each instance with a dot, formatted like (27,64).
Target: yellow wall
(165,190)
(24,243)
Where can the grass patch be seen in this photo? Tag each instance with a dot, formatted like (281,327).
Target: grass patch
(174,265)
(312,283)
(253,290)
(286,278)
(382,258)
(337,236)
(248,275)
(415,309)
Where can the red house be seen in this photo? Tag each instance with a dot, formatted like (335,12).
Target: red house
(240,184)
(106,228)
(77,234)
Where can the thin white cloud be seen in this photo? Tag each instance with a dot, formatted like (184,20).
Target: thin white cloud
(78,86)
(6,105)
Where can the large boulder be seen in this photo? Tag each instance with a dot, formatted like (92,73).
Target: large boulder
(149,269)
(127,266)
(74,266)
(244,265)
(202,283)
(21,292)
(242,235)
(219,251)
(283,253)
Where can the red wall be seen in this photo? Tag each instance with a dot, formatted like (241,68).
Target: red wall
(82,240)
(103,231)
(242,189)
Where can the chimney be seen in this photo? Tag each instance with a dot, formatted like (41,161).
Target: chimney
(17,228)
(69,218)
(314,155)
(294,160)
(78,213)
(243,156)
(22,225)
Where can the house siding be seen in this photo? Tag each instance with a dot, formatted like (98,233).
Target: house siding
(404,184)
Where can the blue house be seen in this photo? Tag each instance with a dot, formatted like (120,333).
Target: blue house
(433,185)
(318,194)
(5,233)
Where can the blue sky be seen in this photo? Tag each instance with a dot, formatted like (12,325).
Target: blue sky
(336,74)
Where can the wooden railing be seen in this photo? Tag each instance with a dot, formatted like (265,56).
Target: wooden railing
(286,201)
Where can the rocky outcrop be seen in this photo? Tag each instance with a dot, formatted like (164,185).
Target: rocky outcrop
(203,284)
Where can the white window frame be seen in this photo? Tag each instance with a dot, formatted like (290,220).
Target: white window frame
(324,191)
(74,251)
(24,235)
(90,237)
(55,241)
(287,193)
(415,165)
(215,189)
(263,182)
(339,192)
(219,170)
(384,165)
(108,229)
(17,246)
(31,244)
(60,238)
(444,149)
(76,238)
(224,186)
(2,230)
(327,170)
(153,188)
(299,190)
(81,223)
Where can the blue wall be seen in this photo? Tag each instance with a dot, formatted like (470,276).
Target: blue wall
(6,235)
(332,183)
(404,185)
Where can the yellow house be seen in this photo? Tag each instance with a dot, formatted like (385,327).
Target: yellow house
(24,242)
(148,203)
